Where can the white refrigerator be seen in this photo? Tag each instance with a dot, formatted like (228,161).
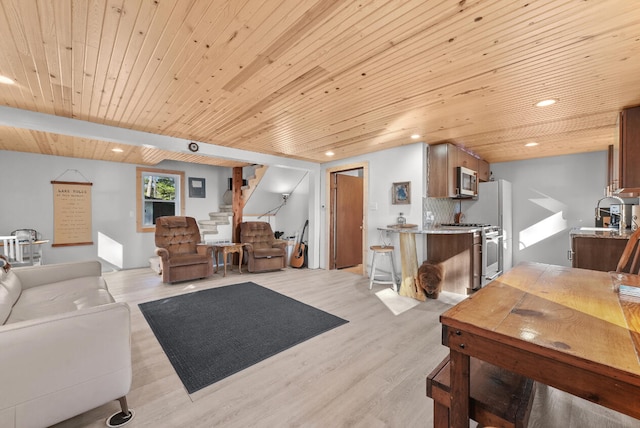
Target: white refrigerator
(493,207)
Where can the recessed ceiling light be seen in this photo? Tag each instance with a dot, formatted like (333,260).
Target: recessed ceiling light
(531,144)
(415,136)
(329,153)
(545,103)
(116,150)
(6,80)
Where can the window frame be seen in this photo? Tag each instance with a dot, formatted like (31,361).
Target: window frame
(140,172)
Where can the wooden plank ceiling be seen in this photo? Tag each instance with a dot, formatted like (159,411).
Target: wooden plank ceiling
(298,78)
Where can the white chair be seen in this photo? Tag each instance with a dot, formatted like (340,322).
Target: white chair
(11,249)
(30,252)
(29,247)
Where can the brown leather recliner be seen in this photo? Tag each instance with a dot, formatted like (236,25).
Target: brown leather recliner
(182,257)
(263,252)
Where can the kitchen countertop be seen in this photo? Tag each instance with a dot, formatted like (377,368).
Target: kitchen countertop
(600,232)
(430,230)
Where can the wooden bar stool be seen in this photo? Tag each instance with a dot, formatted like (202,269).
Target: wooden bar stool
(384,250)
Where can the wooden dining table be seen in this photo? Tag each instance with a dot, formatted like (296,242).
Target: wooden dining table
(564,327)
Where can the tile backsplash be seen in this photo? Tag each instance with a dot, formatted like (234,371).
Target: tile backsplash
(443,209)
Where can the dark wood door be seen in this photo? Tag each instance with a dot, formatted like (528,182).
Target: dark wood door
(348,220)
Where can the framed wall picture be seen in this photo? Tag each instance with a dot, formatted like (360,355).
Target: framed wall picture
(197,188)
(401,193)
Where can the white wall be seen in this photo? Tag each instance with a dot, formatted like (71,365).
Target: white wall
(268,198)
(74,127)
(405,163)
(561,190)
(28,202)
(550,196)
(292,216)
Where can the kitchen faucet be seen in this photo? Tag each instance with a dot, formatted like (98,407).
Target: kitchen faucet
(622,224)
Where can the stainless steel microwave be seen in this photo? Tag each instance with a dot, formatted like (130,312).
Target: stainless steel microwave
(467,185)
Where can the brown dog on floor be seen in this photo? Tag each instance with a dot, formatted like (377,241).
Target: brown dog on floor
(430,277)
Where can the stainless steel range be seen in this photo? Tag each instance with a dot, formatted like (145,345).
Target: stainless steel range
(492,263)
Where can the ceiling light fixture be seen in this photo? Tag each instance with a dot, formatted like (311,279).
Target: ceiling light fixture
(415,136)
(545,103)
(329,153)
(6,80)
(531,144)
(117,150)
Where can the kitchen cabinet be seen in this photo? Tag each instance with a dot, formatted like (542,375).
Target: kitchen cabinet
(467,160)
(613,166)
(461,255)
(596,252)
(484,170)
(624,156)
(443,160)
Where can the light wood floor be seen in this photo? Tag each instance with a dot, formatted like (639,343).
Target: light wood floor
(368,373)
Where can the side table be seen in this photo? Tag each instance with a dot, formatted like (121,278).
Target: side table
(226,249)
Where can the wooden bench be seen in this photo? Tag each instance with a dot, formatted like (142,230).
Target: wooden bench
(499,398)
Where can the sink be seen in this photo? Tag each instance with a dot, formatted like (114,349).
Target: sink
(599,229)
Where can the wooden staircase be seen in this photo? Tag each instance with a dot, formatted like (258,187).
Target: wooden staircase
(210,226)
(252,182)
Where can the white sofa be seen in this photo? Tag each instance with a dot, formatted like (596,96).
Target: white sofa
(64,344)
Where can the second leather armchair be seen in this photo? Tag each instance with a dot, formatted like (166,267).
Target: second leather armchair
(263,251)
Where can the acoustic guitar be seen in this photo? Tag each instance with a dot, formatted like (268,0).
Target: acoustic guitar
(299,255)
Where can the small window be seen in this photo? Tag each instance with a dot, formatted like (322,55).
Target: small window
(159,193)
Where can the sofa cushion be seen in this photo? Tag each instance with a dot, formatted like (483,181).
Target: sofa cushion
(60,297)
(10,290)
(188,259)
(175,221)
(268,252)
(5,305)
(11,282)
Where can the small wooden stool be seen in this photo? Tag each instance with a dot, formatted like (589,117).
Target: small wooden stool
(499,398)
(385,250)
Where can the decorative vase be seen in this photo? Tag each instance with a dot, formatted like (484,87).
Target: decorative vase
(227,198)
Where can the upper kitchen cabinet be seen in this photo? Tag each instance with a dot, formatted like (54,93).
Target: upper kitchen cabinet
(443,159)
(484,170)
(624,157)
(467,160)
(442,174)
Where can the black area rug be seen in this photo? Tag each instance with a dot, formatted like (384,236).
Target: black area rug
(211,334)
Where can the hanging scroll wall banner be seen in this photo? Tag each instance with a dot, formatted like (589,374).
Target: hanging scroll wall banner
(71,213)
